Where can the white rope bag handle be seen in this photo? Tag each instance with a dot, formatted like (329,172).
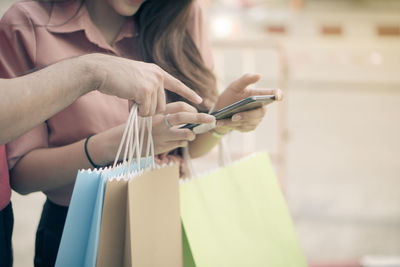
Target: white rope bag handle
(134,144)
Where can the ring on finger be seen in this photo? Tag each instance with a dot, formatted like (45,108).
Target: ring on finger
(167,122)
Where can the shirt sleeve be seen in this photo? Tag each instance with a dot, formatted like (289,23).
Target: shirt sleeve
(17,57)
(198,29)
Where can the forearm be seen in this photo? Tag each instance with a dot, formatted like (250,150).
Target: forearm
(29,100)
(48,169)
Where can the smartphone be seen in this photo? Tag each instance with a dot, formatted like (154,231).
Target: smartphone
(249,103)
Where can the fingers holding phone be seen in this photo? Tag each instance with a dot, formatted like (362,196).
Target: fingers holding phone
(239,90)
(168,135)
(245,121)
(242,88)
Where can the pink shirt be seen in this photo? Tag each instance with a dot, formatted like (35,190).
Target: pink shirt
(5,190)
(30,37)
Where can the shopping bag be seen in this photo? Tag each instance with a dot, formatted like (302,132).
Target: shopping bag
(237,216)
(78,242)
(140,223)
(112,234)
(127,214)
(80,239)
(153,236)
(141,220)
(188,260)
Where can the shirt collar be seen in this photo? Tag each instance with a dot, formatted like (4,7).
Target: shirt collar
(67,17)
(72,16)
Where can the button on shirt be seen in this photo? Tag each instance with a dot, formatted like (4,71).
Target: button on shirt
(35,34)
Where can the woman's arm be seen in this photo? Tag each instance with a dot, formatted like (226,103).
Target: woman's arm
(48,169)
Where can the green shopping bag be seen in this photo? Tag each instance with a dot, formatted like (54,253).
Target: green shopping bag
(237,216)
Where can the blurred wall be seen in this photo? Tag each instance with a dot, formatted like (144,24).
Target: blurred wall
(4,5)
(342,114)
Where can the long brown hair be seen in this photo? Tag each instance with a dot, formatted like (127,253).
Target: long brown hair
(165,41)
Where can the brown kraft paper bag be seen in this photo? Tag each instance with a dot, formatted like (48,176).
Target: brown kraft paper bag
(141,221)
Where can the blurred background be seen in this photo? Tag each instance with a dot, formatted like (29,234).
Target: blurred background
(334,140)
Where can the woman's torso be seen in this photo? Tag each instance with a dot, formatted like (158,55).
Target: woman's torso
(65,30)
(65,35)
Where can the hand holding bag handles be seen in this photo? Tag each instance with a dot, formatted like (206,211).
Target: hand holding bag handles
(141,218)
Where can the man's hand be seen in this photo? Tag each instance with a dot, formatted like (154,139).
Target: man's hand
(139,82)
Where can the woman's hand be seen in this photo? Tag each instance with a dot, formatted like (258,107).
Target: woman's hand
(248,120)
(167,138)
(103,146)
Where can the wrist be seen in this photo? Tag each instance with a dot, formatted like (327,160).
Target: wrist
(219,132)
(88,157)
(91,75)
(98,150)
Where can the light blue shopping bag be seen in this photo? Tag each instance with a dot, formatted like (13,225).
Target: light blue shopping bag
(78,240)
